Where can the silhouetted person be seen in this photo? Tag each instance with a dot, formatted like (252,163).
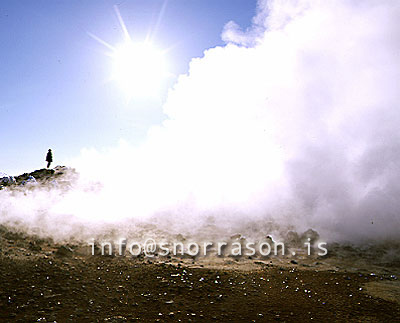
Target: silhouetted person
(49,158)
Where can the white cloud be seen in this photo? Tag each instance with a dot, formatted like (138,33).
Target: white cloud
(294,119)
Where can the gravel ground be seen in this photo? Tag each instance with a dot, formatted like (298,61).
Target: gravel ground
(40,284)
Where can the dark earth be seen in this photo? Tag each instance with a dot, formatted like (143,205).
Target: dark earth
(49,286)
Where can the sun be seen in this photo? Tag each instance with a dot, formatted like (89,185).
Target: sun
(139,68)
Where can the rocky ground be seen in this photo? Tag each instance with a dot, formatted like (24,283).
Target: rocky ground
(43,281)
(46,281)
(59,175)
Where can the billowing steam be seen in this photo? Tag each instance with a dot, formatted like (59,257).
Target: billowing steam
(294,123)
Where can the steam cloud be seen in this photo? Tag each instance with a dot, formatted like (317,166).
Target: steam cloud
(294,122)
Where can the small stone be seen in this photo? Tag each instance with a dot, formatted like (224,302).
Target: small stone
(64,251)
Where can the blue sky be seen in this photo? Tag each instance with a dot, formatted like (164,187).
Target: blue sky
(55,90)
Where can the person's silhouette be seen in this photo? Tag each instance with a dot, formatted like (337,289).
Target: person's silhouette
(49,158)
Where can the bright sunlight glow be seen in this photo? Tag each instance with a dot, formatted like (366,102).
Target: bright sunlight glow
(139,68)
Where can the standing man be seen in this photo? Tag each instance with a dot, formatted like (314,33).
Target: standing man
(49,158)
